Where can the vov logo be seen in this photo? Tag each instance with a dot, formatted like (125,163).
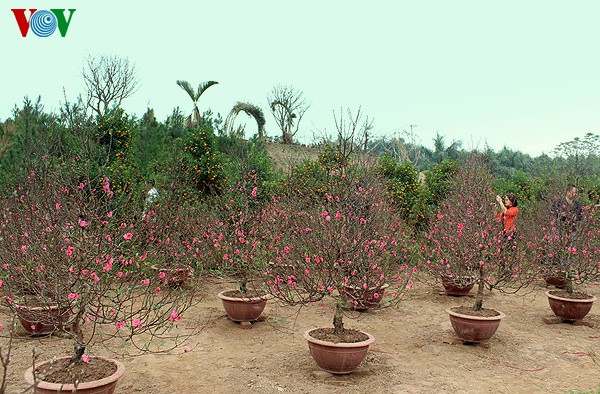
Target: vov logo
(43,23)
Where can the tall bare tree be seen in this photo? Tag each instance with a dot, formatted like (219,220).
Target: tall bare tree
(108,81)
(288,106)
(195,96)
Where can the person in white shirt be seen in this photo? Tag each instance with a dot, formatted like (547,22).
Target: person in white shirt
(151,196)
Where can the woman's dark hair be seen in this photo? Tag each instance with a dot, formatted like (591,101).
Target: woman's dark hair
(513,199)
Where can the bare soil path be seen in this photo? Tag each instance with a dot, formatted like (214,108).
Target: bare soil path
(416,351)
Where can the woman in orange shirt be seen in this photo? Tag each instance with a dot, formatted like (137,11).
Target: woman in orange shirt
(509,213)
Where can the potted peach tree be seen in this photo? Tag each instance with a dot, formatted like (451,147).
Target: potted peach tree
(76,237)
(350,247)
(466,242)
(564,237)
(238,239)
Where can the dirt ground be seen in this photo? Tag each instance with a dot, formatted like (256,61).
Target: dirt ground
(416,351)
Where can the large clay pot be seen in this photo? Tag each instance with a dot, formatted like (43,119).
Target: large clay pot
(570,309)
(474,328)
(102,386)
(361,299)
(558,280)
(244,309)
(338,358)
(457,287)
(172,276)
(42,320)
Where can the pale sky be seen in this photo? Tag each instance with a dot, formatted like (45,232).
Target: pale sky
(524,74)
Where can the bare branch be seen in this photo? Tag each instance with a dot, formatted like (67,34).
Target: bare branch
(108,81)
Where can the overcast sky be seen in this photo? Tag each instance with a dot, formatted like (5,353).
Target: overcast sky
(524,74)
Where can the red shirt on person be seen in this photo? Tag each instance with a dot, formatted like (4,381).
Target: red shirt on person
(509,217)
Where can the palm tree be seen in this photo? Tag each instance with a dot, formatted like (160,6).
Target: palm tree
(441,151)
(195,96)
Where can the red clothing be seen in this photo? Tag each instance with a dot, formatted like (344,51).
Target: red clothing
(509,218)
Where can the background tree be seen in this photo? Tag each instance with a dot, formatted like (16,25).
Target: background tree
(250,110)
(194,119)
(28,137)
(108,81)
(580,156)
(288,106)
(441,151)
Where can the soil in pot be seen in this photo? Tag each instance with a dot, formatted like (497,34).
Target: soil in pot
(238,294)
(97,376)
(465,310)
(61,372)
(347,336)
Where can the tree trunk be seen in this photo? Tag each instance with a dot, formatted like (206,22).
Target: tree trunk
(243,285)
(569,282)
(287,137)
(338,324)
(479,296)
(79,347)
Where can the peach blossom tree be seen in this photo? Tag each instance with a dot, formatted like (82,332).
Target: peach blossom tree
(467,244)
(349,245)
(563,238)
(71,246)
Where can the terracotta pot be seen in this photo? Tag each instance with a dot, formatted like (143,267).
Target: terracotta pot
(338,358)
(457,287)
(474,328)
(102,386)
(557,280)
(361,299)
(42,320)
(245,309)
(171,276)
(570,309)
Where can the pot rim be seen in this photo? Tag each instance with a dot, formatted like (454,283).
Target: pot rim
(68,387)
(366,342)
(49,307)
(471,279)
(382,287)
(265,297)
(491,318)
(591,299)
(171,269)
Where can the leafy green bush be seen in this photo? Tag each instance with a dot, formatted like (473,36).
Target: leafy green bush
(402,184)
(202,163)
